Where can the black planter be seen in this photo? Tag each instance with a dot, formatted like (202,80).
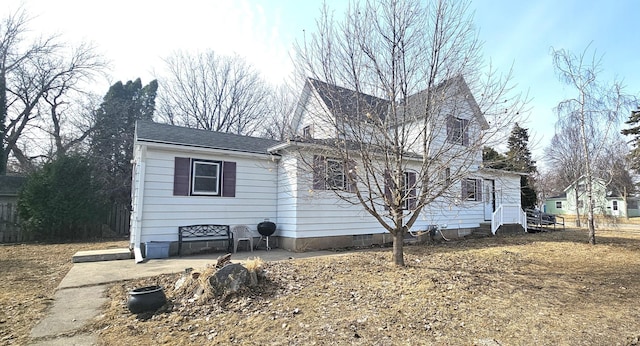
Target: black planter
(144,299)
(266,228)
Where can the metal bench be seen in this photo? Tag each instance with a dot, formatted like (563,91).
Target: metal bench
(205,233)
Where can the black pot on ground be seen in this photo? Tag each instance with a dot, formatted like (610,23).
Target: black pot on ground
(266,228)
(144,299)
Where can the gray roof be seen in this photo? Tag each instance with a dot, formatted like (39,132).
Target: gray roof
(346,102)
(10,185)
(147,131)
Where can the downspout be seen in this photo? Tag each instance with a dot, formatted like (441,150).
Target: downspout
(138,206)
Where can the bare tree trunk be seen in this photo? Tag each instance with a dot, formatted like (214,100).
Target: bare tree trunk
(577,208)
(398,245)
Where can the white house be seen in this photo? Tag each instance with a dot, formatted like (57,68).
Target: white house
(186,176)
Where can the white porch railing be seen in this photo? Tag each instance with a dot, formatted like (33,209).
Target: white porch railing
(508,214)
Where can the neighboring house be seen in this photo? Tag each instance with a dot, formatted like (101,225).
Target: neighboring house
(607,201)
(186,176)
(9,189)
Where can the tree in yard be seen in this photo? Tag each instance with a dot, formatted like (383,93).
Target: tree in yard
(111,141)
(213,92)
(634,131)
(61,201)
(594,112)
(405,70)
(519,160)
(281,103)
(31,72)
(493,159)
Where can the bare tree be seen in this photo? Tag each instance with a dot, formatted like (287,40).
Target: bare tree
(406,71)
(31,75)
(596,111)
(564,156)
(212,92)
(282,103)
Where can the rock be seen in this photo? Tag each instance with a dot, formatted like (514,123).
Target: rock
(229,279)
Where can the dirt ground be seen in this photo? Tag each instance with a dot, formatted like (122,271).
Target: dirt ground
(531,289)
(30,274)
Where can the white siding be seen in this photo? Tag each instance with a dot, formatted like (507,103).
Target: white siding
(163,213)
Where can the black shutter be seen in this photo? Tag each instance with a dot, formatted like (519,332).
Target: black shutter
(464,190)
(387,190)
(319,172)
(450,129)
(228,179)
(412,198)
(478,189)
(465,132)
(181,175)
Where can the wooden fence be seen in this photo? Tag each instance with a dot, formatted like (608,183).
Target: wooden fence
(116,225)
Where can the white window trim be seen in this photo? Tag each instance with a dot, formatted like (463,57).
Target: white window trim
(471,194)
(218,166)
(558,204)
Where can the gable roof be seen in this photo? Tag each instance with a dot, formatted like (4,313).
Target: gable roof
(344,102)
(151,132)
(341,101)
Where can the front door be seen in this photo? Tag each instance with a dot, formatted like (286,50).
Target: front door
(489,189)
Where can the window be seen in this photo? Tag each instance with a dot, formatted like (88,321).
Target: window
(447,177)
(409,191)
(335,175)
(632,204)
(472,190)
(307,132)
(614,205)
(197,177)
(205,179)
(558,204)
(458,131)
(580,204)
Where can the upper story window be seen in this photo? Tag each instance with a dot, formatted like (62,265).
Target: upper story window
(457,131)
(307,131)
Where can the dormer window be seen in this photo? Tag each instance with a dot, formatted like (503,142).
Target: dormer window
(307,132)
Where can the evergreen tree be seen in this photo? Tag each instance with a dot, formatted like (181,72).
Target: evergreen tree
(493,159)
(112,139)
(60,200)
(634,130)
(519,160)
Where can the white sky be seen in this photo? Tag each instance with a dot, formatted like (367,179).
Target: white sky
(135,35)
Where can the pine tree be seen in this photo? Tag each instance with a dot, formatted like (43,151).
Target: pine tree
(519,160)
(112,139)
(634,155)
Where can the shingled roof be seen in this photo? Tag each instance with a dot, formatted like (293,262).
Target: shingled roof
(147,131)
(346,102)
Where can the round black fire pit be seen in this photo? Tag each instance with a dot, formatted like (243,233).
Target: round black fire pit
(266,229)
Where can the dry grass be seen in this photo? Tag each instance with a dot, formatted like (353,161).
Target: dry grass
(535,289)
(30,274)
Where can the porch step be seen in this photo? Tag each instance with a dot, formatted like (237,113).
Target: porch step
(101,255)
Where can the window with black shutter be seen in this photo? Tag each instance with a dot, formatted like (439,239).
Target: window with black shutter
(198,177)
